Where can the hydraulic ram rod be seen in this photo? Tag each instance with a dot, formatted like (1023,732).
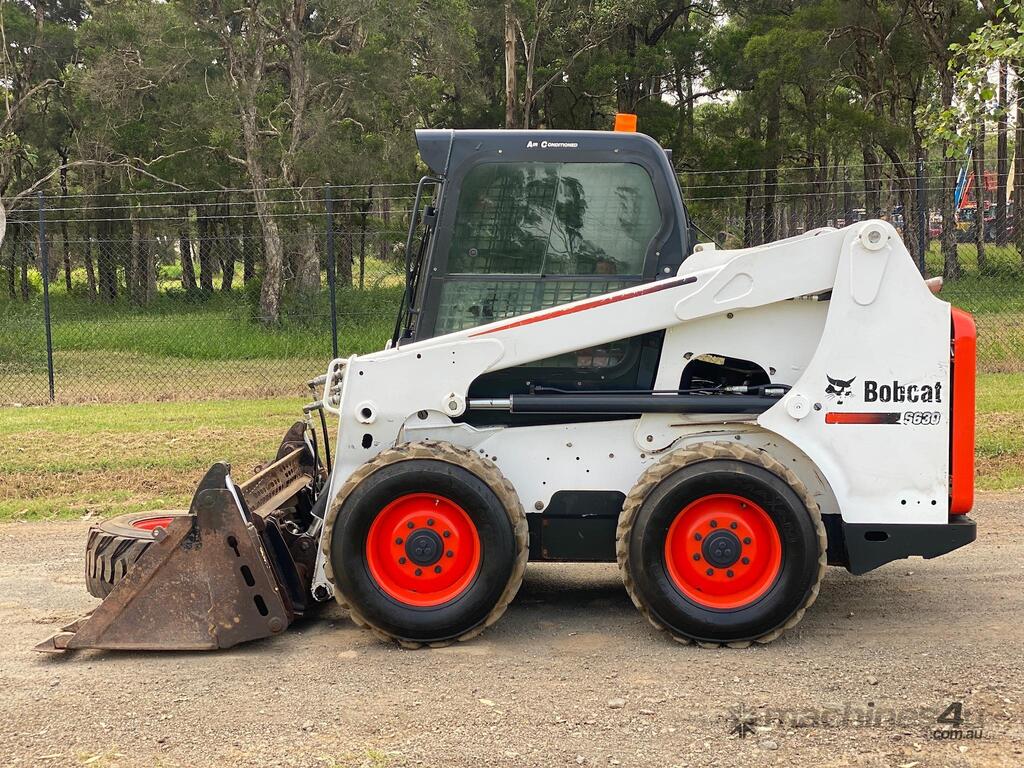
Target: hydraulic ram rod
(626,403)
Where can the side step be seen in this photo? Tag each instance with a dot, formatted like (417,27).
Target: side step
(206,583)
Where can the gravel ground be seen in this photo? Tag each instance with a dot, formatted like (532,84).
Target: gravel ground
(570,675)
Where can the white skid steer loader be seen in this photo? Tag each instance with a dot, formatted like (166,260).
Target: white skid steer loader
(572,379)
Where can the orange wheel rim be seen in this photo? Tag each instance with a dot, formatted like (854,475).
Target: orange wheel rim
(423,550)
(152,523)
(723,551)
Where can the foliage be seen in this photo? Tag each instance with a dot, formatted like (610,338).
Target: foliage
(756,98)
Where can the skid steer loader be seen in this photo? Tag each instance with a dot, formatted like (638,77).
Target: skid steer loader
(573,378)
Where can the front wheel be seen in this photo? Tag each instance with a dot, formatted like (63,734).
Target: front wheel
(721,544)
(426,544)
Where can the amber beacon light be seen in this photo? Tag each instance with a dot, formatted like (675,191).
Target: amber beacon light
(625,122)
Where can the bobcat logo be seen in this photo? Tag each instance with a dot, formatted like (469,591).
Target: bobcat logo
(837,389)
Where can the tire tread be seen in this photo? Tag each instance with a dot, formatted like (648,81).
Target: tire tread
(487,471)
(708,451)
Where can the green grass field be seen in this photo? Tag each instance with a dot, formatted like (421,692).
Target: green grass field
(84,461)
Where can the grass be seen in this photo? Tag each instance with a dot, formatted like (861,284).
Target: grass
(181,346)
(84,461)
(78,461)
(999,444)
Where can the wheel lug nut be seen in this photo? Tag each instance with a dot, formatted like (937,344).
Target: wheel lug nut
(710,571)
(409,524)
(437,569)
(713,523)
(398,540)
(697,537)
(746,540)
(733,526)
(447,534)
(449,553)
(696,556)
(729,574)
(419,571)
(401,561)
(430,521)
(745,561)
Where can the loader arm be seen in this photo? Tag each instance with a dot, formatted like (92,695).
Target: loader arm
(435,374)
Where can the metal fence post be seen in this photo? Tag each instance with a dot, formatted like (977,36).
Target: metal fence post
(331,269)
(44,264)
(922,216)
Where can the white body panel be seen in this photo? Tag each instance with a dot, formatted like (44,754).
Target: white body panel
(876,323)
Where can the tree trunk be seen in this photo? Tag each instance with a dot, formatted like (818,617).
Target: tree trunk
(688,79)
(106,260)
(511,89)
(247,74)
(13,240)
(1002,161)
(904,192)
(24,269)
(951,267)
(90,270)
(64,223)
(273,257)
(128,260)
(979,195)
(307,273)
(751,213)
(872,183)
(385,217)
(809,212)
(344,266)
(140,255)
(1018,163)
(248,247)
(205,232)
(151,265)
(229,253)
(188,269)
(362,237)
(771,174)
(847,197)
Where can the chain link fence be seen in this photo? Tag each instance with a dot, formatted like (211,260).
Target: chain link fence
(156,295)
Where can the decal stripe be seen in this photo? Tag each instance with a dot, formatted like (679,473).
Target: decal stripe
(832,417)
(601,301)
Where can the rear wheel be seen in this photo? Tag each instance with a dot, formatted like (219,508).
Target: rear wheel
(115,545)
(426,544)
(721,544)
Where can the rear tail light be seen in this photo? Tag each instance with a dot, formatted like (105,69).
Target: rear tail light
(961,421)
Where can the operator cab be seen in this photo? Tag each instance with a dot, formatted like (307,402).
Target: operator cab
(524,220)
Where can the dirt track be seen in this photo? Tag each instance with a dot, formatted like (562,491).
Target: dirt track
(904,641)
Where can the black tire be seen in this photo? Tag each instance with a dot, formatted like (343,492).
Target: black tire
(115,545)
(478,488)
(687,476)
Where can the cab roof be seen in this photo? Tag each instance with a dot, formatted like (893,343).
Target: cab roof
(445,149)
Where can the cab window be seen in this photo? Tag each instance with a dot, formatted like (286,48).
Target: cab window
(554,219)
